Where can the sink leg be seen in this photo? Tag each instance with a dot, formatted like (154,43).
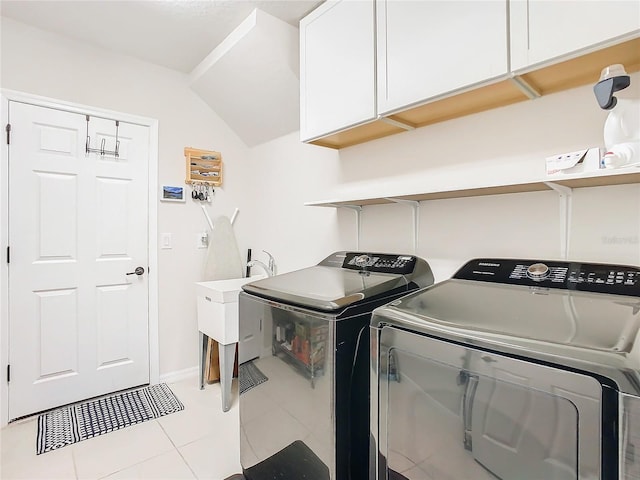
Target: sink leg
(202,353)
(227,358)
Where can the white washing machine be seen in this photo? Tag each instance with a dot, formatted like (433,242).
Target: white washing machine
(510,370)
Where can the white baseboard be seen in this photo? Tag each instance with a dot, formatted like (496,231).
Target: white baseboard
(179,375)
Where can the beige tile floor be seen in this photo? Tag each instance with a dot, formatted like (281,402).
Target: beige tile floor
(200,442)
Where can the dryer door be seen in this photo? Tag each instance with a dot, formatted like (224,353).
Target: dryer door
(452,412)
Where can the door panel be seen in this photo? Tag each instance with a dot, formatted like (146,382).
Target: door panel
(542,30)
(57,204)
(77,224)
(424,48)
(57,358)
(337,67)
(112,231)
(113,320)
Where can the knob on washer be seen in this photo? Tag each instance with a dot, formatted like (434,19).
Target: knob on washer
(362,260)
(538,271)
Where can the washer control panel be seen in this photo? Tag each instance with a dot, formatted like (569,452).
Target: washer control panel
(380,262)
(588,277)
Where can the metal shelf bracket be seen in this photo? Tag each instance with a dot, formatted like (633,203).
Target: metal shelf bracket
(566,195)
(358,210)
(525,87)
(415,207)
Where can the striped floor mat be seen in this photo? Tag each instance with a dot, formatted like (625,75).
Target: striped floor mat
(250,376)
(74,423)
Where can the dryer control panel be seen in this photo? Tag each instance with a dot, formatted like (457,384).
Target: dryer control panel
(587,277)
(380,262)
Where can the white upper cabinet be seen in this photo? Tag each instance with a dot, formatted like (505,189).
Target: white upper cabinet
(543,30)
(428,48)
(372,68)
(337,67)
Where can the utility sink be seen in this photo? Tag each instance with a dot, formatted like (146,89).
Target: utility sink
(218,307)
(218,319)
(224,291)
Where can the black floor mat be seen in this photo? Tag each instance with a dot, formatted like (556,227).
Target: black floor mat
(294,462)
(393,475)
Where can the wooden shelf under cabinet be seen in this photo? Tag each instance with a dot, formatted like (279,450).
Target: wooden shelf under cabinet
(204,167)
(584,69)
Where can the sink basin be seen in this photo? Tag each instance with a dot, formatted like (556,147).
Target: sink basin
(217,302)
(218,319)
(224,291)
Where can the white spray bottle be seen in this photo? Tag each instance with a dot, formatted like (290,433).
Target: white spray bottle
(622,127)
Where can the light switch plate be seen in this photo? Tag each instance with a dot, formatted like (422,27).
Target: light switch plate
(165,241)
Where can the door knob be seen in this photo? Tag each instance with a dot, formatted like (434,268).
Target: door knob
(137,271)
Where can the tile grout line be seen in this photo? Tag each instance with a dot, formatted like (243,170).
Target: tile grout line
(146,459)
(178,450)
(73,461)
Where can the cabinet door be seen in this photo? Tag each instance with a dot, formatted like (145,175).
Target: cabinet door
(337,73)
(427,48)
(542,30)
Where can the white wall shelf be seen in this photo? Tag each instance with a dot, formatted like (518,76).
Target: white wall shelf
(561,184)
(593,179)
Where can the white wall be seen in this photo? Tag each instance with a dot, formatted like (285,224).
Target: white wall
(270,183)
(49,65)
(288,174)
(264,183)
(505,145)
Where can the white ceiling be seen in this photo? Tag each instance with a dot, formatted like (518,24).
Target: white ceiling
(177,34)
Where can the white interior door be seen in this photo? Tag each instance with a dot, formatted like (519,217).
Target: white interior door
(78,324)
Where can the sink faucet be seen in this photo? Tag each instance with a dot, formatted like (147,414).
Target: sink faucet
(272,263)
(269,269)
(253,263)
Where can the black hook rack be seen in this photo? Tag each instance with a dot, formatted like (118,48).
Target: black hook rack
(102,150)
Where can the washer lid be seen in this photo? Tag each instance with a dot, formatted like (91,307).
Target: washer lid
(591,321)
(590,331)
(325,288)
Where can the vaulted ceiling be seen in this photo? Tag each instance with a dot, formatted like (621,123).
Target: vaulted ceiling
(177,34)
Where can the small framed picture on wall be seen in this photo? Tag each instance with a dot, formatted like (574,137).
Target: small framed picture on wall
(172,194)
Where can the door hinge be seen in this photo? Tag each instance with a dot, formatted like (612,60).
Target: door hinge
(8,373)
(8,129)
(8,254)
